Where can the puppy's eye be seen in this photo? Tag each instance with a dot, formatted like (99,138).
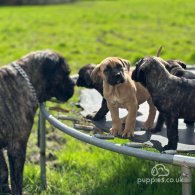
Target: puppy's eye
(119,66)
(108,68)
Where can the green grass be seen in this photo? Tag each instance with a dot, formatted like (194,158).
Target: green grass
(90,31)
(87,32)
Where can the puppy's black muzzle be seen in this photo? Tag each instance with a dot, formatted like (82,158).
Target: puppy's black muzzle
(64,93)
(119,78)
(80,82)
(116,78)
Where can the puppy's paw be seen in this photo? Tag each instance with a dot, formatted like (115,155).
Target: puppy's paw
(166,147)
(116,128)
(127,133)
(113,131)
(93,117)
(89,116)
(169,147)
(189,122)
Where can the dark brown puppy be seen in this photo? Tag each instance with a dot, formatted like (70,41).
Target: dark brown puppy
(177,68)
(48,74)
(84,80)
(173,96)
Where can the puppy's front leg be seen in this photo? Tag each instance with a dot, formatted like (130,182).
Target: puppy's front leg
(172,132)
(4,187)
(102,111)
(130,120)
(116,122)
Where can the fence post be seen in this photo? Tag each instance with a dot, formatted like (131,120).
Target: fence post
(186,180)
(42,150)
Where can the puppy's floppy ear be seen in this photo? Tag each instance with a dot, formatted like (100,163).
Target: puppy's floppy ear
(95,73)
(182,64)
(167,65)
(143,66)
(49,67)
(88,79)
(139,66)
(125,63)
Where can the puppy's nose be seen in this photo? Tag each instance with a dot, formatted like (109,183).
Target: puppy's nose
(118,75)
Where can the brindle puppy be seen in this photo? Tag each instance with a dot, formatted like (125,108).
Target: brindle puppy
(84,80)
(48,75)
(121,92)
(177,68)
(173,96)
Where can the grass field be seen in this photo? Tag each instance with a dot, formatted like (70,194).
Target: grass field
(86,32)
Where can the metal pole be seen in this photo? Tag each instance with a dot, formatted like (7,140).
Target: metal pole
(186,180)
(42,151)
(122,149)
(166,158)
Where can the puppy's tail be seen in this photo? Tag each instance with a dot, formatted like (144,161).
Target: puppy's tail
(159,51)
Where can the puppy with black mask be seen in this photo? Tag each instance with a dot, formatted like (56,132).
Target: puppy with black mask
(84,80)
(120,91)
